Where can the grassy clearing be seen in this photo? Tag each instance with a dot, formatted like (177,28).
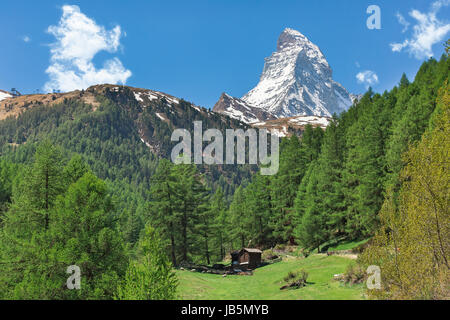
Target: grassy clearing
(341,244)
(266,282)
(347,245)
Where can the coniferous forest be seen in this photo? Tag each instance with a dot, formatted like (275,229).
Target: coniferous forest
(78,187)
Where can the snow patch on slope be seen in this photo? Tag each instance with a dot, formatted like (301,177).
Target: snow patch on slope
(144,96)
(137,96)
(304,120)
(4,95)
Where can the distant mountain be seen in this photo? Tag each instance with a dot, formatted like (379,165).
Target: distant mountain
(296,80)
(120,130)
(155,114)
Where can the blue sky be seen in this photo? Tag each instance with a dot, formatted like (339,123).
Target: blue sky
(198,49)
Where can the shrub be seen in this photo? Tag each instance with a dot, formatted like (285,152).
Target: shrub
(355,273)
(269,255)
(306,253)
(360,248)
(291,275)
(280,247)
(295,279)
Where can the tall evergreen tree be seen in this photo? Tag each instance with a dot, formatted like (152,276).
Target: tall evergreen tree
(258,211)
(25,224)
(163,195)
(84,234)
(312,230)
(150,277)
(218,210)
(284,187)
(330,179)
(238,219)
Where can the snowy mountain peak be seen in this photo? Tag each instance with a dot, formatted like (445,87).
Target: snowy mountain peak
(297,80)
(292,39)
(289,38)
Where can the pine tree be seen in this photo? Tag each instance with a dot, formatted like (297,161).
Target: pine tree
(312,229)
(258,219)
(237,216)
(162,207)
(178,209)
(300,204)
(404,82)
(150,277)
(83,233)
(75,169)
(218,211)
(330,180)
(284,187)
(46,180)
(23,239)
(7,173)
(192,211)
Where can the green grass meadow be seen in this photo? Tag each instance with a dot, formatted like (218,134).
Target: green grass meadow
(266,281)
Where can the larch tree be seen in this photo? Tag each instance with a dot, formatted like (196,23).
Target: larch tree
(150,276)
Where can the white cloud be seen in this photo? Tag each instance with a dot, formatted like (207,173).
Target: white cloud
(403,22)
(369,78)
(78,40)
(427,31)
(26,39)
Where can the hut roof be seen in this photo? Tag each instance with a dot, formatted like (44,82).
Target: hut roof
(252,250)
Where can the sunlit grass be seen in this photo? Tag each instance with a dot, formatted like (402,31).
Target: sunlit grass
(266,282)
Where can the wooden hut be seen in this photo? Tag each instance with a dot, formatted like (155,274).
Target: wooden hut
(248,258)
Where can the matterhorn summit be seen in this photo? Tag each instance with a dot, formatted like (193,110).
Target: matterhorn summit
(296,80)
